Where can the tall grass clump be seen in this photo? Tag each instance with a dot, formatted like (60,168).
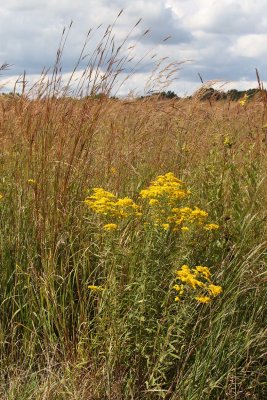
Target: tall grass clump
(132,239)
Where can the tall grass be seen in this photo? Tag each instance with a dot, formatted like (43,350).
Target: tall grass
(58,339)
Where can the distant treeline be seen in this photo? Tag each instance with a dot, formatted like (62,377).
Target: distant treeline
(203,94)
(213,94)
(233,94)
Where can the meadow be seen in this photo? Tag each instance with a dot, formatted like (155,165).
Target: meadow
(133,248)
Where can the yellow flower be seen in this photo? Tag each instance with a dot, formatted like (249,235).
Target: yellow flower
(244,100)
(126,201)
(214,290)
(198,281)
(153,202)
(198,214)
(185,148)
(165,188)
(203,299)
(95,288)
(31,182)
(113,170)
(106,203)
(204,271)
(110,227)
(179,289)
(1,196)
(186,276)
(191,215)
(163,195)
(165,226)
(227,141)
(211,227)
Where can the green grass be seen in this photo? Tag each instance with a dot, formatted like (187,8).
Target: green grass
(58,339)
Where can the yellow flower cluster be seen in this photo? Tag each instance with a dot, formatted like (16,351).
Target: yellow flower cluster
(95,288)
(1,196)
(31,182)
(211,227)
(244,100)
(166,188)
(110,227)
(186,215)
(227,141)
(198,281)
(106,203)
(164,194)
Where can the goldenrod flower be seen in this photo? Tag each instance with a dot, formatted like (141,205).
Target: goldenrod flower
(181,215)
(164,195)
(1,196)
(186,276)
(165,226)
(244,100)
(95,288)
(31,182)
(214,290)
(198,214)
(186,148)
(179,289)
(203,299)
(211,227)
(153,202)
(198,281)
(166,188)
(227,141)
(110,227)
(106,203)
(204,271)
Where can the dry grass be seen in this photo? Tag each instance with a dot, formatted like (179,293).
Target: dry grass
(58,341)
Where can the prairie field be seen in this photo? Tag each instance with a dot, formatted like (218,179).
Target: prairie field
(133,248)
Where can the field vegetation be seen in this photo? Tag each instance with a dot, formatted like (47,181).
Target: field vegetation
(133,246)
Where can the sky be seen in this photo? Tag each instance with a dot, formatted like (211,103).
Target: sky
(222,40)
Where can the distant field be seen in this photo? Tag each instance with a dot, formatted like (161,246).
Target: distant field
(133,334)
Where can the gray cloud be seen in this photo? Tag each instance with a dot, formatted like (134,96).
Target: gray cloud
(225,40)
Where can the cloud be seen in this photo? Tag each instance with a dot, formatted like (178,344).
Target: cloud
(229,38)
(233,17)
(156,16)
(224,39)
(250,46)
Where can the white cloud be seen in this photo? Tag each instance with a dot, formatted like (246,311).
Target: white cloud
(253,46)
(224,16)
(225,39)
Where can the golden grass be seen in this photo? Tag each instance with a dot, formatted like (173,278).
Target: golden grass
(58,339)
